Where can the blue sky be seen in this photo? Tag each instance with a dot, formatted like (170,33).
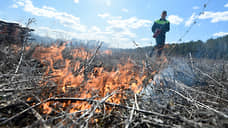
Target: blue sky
(118,22)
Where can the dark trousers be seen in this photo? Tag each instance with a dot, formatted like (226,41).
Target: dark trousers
(160,43)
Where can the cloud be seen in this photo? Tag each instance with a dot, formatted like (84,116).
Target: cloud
(215,16)
(226,5)
(118,32)
(93,34)
(49,8)
(121,29)
(108,3)
(124,10)
(174,19)
(20,3)
(104,15)
(191,20)
(64,18)
(12,21)
(172,42)
(117,29)
(195,7)
(145,39)
(108,16)
(114,39)
(220,34)
(76,1)
(14,6)
(95,29)
(133,23)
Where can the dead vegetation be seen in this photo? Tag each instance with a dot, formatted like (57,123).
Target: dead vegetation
(93,93)
(62,86)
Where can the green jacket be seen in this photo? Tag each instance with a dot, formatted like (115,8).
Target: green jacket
(162,24)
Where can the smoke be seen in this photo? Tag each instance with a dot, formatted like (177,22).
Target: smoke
(178,70)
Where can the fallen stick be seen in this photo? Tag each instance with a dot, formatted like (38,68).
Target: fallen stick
(12,89)
(130,118)
(20,113)
(37,115)
(111,104)
(205,74)
(9,75)
(87,100)
(200,104)
(17,82)
(200,92)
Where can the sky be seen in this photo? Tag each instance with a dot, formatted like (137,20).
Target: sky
(118,22)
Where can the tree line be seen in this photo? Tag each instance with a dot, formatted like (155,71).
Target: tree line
(212,48)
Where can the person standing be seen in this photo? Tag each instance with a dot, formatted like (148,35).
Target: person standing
(159,29)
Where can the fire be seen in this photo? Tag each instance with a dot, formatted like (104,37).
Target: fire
(73,78)
(46,108)
(27,48)
(29,99)
(108,52)
(17,48)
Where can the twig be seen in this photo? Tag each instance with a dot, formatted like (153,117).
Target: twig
(89,62)
(111,104)
(200,92)
(20,113)
(30,21)
(37,115)
(17,82)
(191,61)
(19,63)
(87,100)
(97,104)
(13,89)
(200,104)
(131,116)
(205,74)
(136,102)
(157,124)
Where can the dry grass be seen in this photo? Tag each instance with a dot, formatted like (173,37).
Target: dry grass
(177,92)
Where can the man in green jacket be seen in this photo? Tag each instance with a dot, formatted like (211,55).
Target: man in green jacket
(159,28)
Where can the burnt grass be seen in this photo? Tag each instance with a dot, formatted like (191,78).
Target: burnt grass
(179,92)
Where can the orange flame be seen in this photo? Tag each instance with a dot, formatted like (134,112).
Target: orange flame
(70,74)
(108,52)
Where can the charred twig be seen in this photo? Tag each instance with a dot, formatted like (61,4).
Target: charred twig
(111,104)
(89,62)
(17,89)
(30,21)
(36,114)
(200,104)
(9,75)
(201,92)
(91,101)
(97,104)
(157,124)
(131,116)
(17,82)
(22,112)
(205,74)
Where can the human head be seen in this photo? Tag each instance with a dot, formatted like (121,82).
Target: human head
(164,14)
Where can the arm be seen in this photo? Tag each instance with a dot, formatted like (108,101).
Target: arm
(168,27)
(154,27)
